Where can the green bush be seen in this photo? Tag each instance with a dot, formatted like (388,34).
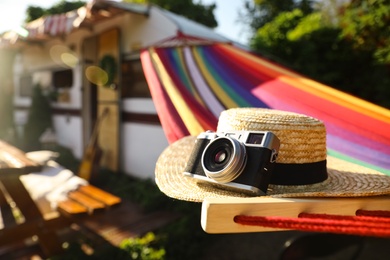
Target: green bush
(66,158)
(143,248)
(321,51)
(181,239)
(39,119)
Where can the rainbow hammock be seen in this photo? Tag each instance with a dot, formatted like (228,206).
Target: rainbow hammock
(191,85)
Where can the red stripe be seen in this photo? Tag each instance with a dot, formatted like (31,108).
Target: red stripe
(203,115)
(251,65)
(171,122)
(285,95)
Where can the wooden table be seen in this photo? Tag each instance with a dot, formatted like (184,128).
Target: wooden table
(21,218)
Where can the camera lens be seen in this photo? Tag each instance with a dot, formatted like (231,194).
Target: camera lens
(220,157)
(224,159)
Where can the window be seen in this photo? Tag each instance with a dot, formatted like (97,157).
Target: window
(63,78)
(25,84)
(133,80)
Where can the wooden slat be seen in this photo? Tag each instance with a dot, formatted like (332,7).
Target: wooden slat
(21,197)
(87,200)
(43,228)
(90,203)
(100,195)
(12,157)
(218,213)
(72,207)
(6,215)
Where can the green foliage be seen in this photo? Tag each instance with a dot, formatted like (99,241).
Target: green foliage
(182,239)
(65,6)
(6,112)
(309,45)
(35,12)
(6,97)
(272,37)
(66,158)
(143,248)
(185,239)
(366,23)
(39,119)
(72,251)
(144,192)
(197,12)
(258,13)
(308,24)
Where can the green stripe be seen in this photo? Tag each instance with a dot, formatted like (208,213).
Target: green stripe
(228,90)
(355,161)
(181,72)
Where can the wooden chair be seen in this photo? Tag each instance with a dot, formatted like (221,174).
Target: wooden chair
(21,217)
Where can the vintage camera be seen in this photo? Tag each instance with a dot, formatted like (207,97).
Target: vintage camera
(239,160)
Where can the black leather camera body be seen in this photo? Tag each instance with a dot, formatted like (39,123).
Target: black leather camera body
(239,160)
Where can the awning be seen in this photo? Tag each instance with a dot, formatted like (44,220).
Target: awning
(191,85)
(87,16)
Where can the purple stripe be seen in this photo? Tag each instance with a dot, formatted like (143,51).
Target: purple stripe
(203,89)
(228,80)
(357,151)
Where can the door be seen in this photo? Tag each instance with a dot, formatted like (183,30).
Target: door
(108,98)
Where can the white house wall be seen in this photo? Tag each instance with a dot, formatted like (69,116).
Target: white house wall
(69,133)
(148,30)
(141,143)
(141,146)
(36,60)
(139,105)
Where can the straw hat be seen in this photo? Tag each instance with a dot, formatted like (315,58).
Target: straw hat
(302,168)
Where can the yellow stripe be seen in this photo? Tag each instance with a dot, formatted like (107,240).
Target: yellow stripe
(184,67)
(320,90)
(221,94)
(184,111)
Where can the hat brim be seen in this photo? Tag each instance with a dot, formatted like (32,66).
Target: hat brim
(344,179)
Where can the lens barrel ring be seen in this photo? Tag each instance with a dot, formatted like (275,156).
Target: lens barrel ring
(224,159)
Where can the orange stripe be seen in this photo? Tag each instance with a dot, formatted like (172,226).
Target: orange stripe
(308,85)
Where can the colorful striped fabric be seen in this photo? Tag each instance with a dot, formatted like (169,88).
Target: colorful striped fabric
(191,85)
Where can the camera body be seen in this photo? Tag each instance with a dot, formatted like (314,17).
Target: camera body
(242,161)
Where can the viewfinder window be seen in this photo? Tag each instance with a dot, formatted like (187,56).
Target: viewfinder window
(255,138)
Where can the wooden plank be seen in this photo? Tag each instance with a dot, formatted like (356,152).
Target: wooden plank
(38,227)
(90,203)
(100,195)
(86,200)
(108,44)
(218,213)
(21,197)
(47,237)
(12,157)
(7,217)
(108,135)
(72,207)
